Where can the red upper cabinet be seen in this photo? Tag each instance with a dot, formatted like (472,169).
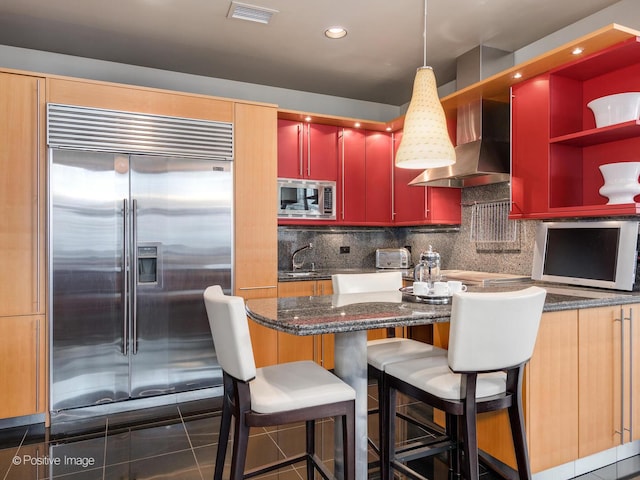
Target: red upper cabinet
(530,147)
(409,203)
(352,176)
(415,205)
(556,147)
(379,178)
(307,151)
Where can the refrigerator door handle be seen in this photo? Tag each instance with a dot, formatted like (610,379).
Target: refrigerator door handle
(134,275)
(125,288)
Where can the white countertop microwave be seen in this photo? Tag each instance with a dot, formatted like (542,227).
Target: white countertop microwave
(309,199)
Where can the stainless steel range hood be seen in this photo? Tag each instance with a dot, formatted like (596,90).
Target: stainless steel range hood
(483,151)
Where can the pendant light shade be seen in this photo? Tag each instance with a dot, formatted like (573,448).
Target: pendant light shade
(425,140)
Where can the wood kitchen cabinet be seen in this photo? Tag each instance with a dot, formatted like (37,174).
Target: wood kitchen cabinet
(23,382)
(23,346)
(22,195)
(581,388)
(319,348)
(551,392)
(129,98)
(608,397)
(256,231)
(556,148)
(550,397)
(307,150)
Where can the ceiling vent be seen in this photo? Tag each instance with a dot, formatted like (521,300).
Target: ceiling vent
(251,13)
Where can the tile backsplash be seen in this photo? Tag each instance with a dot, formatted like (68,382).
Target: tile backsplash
(454,243)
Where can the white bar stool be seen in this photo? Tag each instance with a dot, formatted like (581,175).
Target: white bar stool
(274,395)
(492,336)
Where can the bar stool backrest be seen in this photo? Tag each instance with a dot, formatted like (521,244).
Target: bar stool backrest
(366,282)
(230,331)
(494,330)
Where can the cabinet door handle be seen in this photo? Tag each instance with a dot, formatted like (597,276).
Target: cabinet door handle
(630,429)
(37,364)
(308,150)
(342,169)
(300,147)
(261,287)
(393,178)
(622,375)
(37,240)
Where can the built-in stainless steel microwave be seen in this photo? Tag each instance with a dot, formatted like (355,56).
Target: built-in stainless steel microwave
(311,199)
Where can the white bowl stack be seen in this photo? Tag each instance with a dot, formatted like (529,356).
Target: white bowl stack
(620,182)
(617,108)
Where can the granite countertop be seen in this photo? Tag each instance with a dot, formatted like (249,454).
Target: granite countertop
(313,315)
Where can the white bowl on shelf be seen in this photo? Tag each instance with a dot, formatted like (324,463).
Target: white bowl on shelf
(620,182)
(617,108)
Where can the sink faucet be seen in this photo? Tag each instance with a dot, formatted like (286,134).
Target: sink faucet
(294,264)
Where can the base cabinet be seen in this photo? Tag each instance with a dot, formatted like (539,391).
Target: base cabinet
(551,392)
(581,386)
(319,348)
(550,399)
(608,395)
(23,387)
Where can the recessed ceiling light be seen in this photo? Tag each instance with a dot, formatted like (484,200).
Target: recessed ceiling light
(577,50)
(357,124)
(517,75)
(252,13)
(335,32)
(307,119)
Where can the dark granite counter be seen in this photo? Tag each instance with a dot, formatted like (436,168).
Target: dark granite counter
(313,315)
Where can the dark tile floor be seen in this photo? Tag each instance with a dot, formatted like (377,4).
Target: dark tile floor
(182,446)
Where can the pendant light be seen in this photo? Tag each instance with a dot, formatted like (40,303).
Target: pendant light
(425,139)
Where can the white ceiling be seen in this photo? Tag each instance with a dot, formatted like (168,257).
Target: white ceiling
(376,61)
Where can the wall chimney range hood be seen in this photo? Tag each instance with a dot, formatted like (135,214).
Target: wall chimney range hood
(483,150)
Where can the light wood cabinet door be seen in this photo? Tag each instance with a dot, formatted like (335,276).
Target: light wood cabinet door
(634,333)
(22,366)
(551,392)
(601,379)
(319,348)
(292,348)
(256,231)
(130,98)
(22,183)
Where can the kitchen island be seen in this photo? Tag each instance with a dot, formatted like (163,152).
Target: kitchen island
(572,414)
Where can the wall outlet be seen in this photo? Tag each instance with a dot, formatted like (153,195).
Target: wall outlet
(345,249)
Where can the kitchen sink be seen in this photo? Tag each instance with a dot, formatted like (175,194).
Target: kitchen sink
(301,274)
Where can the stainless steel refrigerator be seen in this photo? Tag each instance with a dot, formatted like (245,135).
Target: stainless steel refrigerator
(135,240)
